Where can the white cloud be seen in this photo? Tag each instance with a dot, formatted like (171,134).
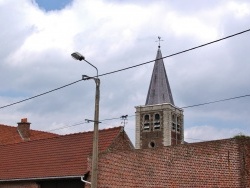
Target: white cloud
(182,25)
(36,47)
(240,10)
(207,132)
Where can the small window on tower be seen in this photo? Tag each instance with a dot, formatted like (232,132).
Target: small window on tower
(178,128)
(146,127)
(173,126)
(157,123)
(174,122)
(157,117)
(178,124)
(151,144)
(146,117)
(146,123)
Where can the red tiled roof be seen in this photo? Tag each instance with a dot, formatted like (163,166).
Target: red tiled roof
(54,157)
(10,135)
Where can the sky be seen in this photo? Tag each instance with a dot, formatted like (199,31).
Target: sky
(37,38)
(50,5)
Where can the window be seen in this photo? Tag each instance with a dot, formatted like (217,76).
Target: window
(157,117)
(146,127)
(178,124)
(173,122)
(146,122)
(146,117)
(151,144)
(157,123)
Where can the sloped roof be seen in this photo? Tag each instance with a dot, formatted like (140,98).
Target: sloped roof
(10,135)
(159,89)
(59,156)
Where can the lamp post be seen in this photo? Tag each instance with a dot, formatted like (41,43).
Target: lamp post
(78,56)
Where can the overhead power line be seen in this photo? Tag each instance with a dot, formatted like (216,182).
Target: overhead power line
(6,138)
(228,99)
(123,69)
(174,54)
(190,106)
(39,95)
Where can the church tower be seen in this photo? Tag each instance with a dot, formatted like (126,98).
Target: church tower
(159,122)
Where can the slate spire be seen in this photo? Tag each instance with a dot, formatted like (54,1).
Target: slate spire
(159,89)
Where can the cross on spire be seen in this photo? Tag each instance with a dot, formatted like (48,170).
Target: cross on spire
(159,40)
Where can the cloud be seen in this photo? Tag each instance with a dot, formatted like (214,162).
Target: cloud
(36,48)
(206,133)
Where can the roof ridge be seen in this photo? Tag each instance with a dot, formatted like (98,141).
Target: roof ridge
(7,125)
(67,135)
(11,126)
(104,129)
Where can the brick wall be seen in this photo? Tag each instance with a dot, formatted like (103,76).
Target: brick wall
(120,143)
(222,163)
(244,155)
(19,185)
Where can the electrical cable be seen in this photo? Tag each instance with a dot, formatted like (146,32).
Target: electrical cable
(112,72)
(190,49)
(81,123)
(40,94)
(228,99)
(190,106)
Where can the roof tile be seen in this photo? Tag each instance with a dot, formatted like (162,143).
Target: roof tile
(10,135)
(54,157)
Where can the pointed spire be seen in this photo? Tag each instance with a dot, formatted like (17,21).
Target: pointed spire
(159,90)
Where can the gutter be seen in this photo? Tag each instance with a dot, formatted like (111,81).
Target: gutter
(85,180)
(44,178)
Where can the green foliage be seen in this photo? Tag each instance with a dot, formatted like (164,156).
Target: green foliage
(241,136)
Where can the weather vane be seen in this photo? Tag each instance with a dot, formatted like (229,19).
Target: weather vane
(159,40)
(124,119)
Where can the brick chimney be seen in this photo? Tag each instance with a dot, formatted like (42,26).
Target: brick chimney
(23,129)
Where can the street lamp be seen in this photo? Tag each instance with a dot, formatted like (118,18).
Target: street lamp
(80,57)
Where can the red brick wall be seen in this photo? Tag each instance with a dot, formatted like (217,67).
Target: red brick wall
(173,138)
(244,155)
(120,143)
(19,185)
(247,163)
(222,163)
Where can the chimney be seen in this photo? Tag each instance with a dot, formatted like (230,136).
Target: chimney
(23,129)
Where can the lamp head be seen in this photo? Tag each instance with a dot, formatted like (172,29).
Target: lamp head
(77,56)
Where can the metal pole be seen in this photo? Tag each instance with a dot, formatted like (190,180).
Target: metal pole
(94,173)
(80,57)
